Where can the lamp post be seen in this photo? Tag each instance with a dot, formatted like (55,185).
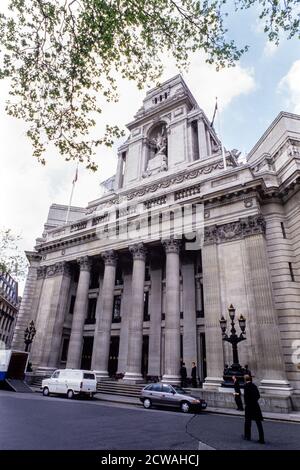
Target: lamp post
(29,334)
(234,339)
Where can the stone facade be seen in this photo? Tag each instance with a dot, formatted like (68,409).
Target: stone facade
(137,281)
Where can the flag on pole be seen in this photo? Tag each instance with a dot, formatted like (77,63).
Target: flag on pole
(215,112)
(76,175)
(71,196)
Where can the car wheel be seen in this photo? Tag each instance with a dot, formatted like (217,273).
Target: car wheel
(185,407)
(70,394)
(147,403)
(46,392)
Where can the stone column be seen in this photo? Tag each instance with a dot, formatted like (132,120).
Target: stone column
(135,339)
(118,180)
(51,315)
(202,139)
(189,313)
(104,319)
(155,304)
(126,306)
(266,334)
(79,315)
(213,311)
(26,312)
(172,321)
(60,301)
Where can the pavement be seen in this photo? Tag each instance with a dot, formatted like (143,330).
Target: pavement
(293,417)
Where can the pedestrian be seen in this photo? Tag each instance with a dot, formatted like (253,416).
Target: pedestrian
(247,371)
(252,410)
(194,375)
(237,394)
(183,375)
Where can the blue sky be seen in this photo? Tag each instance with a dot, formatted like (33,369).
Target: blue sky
(266,81)
(248,115)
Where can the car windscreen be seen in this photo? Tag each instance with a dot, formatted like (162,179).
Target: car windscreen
(179,390)
(89,376)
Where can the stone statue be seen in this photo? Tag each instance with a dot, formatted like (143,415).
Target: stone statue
(161,143)
(159,161)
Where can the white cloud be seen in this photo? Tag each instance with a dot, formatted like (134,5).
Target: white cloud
(270,49)
(30,188)
(289,87)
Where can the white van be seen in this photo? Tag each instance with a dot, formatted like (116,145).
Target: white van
(70,382)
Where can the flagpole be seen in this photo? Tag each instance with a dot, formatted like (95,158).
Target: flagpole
(71,195)
(220,136)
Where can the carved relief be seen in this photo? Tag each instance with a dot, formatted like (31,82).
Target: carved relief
(56,269)
(41,272)
(247,226)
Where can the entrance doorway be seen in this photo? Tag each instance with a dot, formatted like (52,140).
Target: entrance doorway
(145,354)
(87,351)
(113,355)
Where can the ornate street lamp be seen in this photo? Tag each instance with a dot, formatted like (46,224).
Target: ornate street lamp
(29,334)
(234,340)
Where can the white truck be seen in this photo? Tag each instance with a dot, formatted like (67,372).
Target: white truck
(70,382)
(13,366)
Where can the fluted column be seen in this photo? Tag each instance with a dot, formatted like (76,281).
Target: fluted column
(267,337)
(201,139)
(213,310)
(79,315)
(172,321)
(104,319)
(60,300)
(135,339)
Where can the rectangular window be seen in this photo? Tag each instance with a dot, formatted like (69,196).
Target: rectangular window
(116,318)
(91,313)
(291,272)
(283,229)
(72,303)
(146,306)
(64,353)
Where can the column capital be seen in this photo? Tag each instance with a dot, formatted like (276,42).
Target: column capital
(138,251)
(109,257)
(84,263)
(172,245)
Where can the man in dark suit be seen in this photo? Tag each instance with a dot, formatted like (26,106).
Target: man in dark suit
(252,410)
(183,374)
(194,375)
(237,394)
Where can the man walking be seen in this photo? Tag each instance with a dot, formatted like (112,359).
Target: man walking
(237,394)
(252,410)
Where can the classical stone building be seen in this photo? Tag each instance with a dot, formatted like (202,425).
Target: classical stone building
(118,289)
(9,305)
